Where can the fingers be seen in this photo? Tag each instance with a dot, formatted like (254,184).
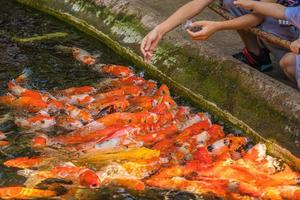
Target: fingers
(200,35)
(142,47)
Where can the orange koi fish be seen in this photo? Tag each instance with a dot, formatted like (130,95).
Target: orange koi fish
(24,193)
(117,70)
(79,137)
(151,138)
(229,145)
(192,120)
(192,130)
(116,104)
(24,162)
(77,90)
(214,133)
(17,90)
(286,192)
(162,90)
(7,99)
(38,122)
(124,118)
(3,143)
(83,56)
(78,100)
(68,123)
(30,104)
(143,102)
(82,176)
(79,114)
(40,141)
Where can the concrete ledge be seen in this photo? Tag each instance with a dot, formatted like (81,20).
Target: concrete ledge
(194,70)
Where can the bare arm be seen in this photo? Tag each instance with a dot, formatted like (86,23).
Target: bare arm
(264,8)
(183,13)
(151,40)
(245,21)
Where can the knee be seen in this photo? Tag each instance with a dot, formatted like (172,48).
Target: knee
(286,61)
(235,11)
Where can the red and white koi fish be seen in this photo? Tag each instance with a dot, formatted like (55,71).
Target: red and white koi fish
(82,176)
(117,70)
(83,56)
(38,122)
(77,90)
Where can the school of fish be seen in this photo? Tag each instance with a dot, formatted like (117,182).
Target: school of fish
(129,131)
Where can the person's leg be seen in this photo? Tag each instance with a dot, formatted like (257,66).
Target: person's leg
(288,65)
(249,39)
(253,54)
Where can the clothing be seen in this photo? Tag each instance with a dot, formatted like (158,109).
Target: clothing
(298,67)
(293,15)
(289,3)
(271,25)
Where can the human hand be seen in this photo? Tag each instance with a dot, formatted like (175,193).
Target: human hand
(149,43)
(295,46)
(207,29)
(247,4)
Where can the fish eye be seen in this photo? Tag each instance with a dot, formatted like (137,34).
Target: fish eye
(43,121)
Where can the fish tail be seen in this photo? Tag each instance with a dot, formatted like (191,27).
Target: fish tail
(26,73)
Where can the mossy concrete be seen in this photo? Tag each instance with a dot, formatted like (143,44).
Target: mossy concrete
(193,70)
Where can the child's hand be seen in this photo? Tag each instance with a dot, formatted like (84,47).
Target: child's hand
(207,29)
(149,43)
(295,46)
(247,4)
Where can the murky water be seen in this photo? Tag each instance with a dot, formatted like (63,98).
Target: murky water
(51,69)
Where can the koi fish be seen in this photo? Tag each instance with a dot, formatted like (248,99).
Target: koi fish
(130,155)
(78,100)
(79,114)
(82,176)
(38,122)
(30,104)
(117,70)
(20,192)
(68,123)
(287,192)
(192,130)
(3,143)
(83,56)
(116,104)
(79,137)
(151,138)
(26,73)
(227,145)
(77,90)
(25,162)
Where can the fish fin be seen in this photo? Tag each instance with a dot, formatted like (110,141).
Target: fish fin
(26,72)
